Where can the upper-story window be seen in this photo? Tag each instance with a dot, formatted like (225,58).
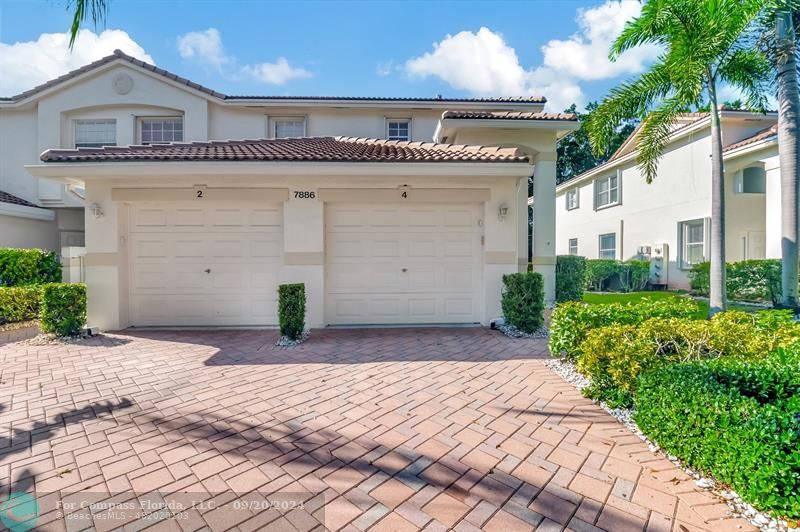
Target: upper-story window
(752,180)
(608,246)
(572,199)
(95,133)
(155,130)
(606,192)
(283,128)
(398,128)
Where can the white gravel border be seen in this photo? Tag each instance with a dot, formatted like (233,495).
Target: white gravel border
(512,332)
(567,371)
(284,341)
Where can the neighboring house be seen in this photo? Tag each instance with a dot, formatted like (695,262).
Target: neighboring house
(611,211)
(347,195)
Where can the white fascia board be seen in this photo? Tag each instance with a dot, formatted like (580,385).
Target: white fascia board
(380,104)
(507,123)
(23,211)
(744,150)
(77,173)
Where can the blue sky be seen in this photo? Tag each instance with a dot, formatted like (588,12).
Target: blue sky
(380,48)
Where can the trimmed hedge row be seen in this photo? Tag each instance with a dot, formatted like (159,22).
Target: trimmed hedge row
(19,303)
(522,300)
(570,322)
(292,309)
(570,278)
(736,419)
(19,267)
(60,307)
(747,280)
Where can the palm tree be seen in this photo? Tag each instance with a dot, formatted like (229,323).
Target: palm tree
(703,49)
(97,10)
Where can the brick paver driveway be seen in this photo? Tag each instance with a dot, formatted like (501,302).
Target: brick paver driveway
(367,429)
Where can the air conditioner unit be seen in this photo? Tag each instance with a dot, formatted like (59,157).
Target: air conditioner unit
(643,252)
(659,266)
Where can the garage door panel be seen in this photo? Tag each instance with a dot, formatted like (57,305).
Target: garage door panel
(266,248)
(187,217)
(150,218)
(188,248)
(267,218)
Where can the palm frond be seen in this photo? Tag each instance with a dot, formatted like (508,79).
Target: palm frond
(750,71)
(96,9)
(654,135)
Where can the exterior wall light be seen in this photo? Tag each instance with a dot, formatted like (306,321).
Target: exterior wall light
(502,211)
(96,210)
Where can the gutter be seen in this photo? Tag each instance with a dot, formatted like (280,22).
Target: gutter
(23,211)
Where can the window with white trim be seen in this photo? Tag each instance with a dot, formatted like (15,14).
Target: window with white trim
(283,128)
(752,180)
(606,192)
(398,128)
(95,133)
(692,234)
(573,246)
(157,130)
(608,246)
(572,199)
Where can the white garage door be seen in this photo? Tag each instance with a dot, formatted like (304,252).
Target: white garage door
(215,264)
(402,264)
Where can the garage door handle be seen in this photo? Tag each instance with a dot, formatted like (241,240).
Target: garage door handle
(404,270)
(208,270)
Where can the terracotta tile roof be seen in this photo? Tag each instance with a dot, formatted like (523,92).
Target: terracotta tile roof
(508,115)
(764,134)
(318,149)
(118,54)
(5,197)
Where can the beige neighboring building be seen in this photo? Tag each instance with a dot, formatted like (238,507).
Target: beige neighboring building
(390,210)
(611,212)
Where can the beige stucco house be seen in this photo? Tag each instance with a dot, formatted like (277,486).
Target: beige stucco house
(390,210)
(611,211)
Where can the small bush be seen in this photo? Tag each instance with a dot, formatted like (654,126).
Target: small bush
(571,321)
(63,309)
(736,419)
(522,300)
(292,309)
(599,273)
(634,275)
(19,303)
(747,280)
(570,278)
(19,267)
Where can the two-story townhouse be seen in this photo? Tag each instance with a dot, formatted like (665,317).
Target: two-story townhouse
(611,212)
(346,194)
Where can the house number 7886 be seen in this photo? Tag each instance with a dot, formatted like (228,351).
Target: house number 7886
(305,194)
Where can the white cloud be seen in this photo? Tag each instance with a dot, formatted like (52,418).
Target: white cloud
(484,64)
(23,65)
(206,48)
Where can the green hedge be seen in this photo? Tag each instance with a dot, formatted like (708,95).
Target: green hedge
(292,309)
(599,273)
(571,321)
(747,280)
(570,278)
(615,356)
(28,266)
(736,419)
(19,303)
(63,309)
(626,276)
(522,300)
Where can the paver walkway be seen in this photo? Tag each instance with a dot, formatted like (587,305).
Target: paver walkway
(370,429)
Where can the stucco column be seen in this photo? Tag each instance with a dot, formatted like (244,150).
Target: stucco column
(303,252)
(544,221)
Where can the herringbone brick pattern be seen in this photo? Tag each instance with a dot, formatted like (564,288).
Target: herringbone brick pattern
(402,429)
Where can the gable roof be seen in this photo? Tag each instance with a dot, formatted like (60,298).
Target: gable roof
(765,134)
(308,149)
(119,55)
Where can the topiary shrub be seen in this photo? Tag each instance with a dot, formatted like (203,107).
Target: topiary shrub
(292,309)
(599,273)
(19,303)
(570,278)
(747,280)
(28,266)
(522,301)
(736,419)
(63,309)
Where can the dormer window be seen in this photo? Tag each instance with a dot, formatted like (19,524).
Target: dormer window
(95,133)
(398,128)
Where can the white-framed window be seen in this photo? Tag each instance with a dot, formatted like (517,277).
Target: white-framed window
(157,130)
(692,235)
(573,246)
(398,128)
(752,180)
(606,191)
(572,199)
(608,246)
(283,128)
(95,133)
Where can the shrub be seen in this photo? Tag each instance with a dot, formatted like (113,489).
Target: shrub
(522,300)
(63,309)
(634,275)
(19,303)
(571,321)
(736,419)
(292,309)
(747,280)
(599,273)
(28,266)
(570,278)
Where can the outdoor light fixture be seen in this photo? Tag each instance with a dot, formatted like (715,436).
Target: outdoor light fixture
(97,210)
(502,211)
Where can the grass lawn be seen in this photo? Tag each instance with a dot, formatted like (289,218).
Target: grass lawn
(595,298)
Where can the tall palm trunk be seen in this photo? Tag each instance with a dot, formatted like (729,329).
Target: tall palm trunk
(718,295)
(788,149)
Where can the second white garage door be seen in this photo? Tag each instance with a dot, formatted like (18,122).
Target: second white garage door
(390,264)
